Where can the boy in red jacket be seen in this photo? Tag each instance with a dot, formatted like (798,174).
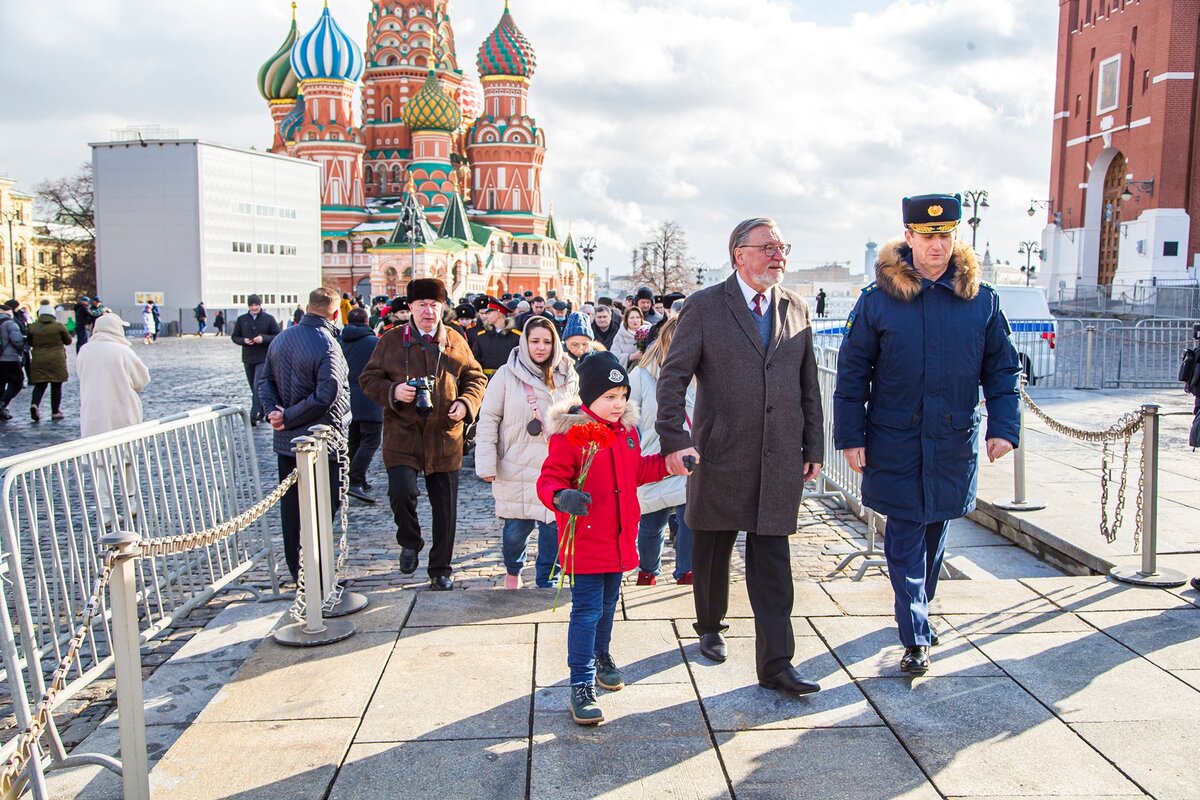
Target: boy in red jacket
(605,538)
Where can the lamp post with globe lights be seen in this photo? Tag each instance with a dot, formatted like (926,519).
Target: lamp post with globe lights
(1029,250)
(975,200)
(11,216)
(587,248)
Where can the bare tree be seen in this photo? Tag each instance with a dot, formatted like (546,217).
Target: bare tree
(664,264)
(68,206)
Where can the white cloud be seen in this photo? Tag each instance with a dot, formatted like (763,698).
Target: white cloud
(702,111)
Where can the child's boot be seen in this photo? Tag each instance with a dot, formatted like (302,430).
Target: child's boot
(584,709)
(608,676)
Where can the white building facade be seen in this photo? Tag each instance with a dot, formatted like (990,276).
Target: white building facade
(180,221)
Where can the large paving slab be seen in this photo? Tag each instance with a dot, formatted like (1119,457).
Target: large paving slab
(875,598)
(465,682)
(1103,594)
(1091,678)
(289,683)
(233,634)
(742,628)
(1170,639)
(1156,753)
(294,760)
(983,737)
(868,648)
(669,601)
(474,769)
(98,783)
(653,743)
(647,651)
(386,611)
(733,700)
(1037,622)
(831,764)
(179,691)
(488,606)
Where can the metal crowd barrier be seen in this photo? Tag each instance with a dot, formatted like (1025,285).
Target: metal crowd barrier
(837,480)
(70,513)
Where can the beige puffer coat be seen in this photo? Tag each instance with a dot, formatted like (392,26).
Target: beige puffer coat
(672,490)
(504,448)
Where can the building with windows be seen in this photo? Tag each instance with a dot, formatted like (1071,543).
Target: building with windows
(183,220)
(442,176)
(17,238)
(1123,207)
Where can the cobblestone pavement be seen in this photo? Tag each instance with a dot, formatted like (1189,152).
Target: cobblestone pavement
(192,372)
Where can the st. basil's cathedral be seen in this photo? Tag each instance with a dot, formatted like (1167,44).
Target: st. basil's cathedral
(443,177)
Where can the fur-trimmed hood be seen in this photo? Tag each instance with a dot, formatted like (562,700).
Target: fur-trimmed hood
(567,414)
(896,275)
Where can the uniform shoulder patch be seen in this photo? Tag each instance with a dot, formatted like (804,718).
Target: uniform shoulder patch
(986,285)
(870,287)
(849,322)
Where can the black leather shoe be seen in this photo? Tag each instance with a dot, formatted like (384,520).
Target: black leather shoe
(788,680)
(359,492)
(1195,583)
(408,560)
(934,638)
(712,647)
(441,583)
(915,660)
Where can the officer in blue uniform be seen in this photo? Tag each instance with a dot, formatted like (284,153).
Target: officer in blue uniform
(921,341)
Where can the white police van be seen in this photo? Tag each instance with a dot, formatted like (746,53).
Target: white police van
(1033,328)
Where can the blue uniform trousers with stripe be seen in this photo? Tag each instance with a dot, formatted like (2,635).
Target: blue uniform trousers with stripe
(914,552)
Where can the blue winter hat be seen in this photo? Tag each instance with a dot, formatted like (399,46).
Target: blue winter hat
(577,325)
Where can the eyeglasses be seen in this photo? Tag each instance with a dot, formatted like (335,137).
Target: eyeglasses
(769,249)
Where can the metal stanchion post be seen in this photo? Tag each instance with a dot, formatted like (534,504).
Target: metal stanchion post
(1149,574)
(315,630)
(349,602)
(122,592)
(1020,502)
(1087,365)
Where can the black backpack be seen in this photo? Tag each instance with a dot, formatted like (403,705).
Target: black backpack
(1189,370)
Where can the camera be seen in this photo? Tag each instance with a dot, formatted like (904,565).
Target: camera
(423,400)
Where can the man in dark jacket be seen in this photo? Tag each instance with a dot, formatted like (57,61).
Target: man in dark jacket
(921,341)
(201,315)
(495,342)
(12,353)
(303,382)
(83,321)
(758,436)
(604,327)
(366,416)
(253,332)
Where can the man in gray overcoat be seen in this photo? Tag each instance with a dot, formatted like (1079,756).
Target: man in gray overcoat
(757,437)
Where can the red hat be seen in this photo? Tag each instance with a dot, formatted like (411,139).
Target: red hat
(495,305)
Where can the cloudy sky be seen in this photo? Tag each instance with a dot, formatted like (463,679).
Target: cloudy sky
(820,114)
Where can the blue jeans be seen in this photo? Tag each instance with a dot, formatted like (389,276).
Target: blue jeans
(515,543)
(593,604)
(652,534)
(914,553)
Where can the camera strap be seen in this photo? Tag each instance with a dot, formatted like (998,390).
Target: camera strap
(407,339)
(536,427)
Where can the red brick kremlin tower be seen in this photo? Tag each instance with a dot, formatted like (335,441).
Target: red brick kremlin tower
(467,156)
(1124,199)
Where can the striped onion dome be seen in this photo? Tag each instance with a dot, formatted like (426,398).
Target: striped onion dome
(431,109)
(326,52)
(276,81)
(470,99)
(290,124)
(507,51)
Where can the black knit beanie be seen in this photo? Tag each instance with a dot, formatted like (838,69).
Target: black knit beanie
(599,372)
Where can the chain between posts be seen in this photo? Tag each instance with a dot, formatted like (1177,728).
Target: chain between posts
(28,740)
(337,442)
(1122,431)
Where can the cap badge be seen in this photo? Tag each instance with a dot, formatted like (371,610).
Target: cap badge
(615,376)
(935,211)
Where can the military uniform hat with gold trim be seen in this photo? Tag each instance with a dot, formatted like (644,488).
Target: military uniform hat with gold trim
(932,213)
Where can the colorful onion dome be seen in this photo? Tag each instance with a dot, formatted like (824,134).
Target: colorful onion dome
(276,80)
(431,109)
(290,125)
(507,51)
(326,52)
(470,99)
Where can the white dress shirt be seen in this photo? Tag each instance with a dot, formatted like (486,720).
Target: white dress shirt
(748,292)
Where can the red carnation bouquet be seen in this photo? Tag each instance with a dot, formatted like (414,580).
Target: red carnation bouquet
(591,438)
(641,339)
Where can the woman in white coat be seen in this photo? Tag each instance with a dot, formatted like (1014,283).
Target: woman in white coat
(669,496)
(110,378)
(148,324)
(510,444)
(624,345)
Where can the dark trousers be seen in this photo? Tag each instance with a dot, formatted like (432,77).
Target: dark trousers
(363,443)
(256,408)
(914,552)
(12,381)
(81,336)
(768,582)
(39,391)
(289,511)
(443,499)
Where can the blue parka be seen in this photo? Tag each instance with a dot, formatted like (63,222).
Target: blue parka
(358,344)
(911,364)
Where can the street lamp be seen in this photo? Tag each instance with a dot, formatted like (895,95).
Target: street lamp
(1029,249)
(700,276)
(587,246)
(11,216)
(975,200)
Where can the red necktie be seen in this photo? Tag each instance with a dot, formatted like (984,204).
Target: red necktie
(429,338)
(758,298)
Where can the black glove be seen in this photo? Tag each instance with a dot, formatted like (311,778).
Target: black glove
(573,502)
